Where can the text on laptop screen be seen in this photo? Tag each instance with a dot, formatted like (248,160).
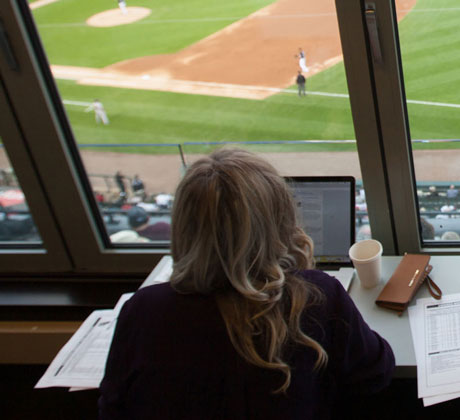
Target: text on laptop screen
(325,211)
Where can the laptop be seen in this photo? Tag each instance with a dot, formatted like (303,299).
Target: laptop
(326,212)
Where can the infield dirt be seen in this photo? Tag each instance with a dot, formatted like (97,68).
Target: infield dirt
(255,52)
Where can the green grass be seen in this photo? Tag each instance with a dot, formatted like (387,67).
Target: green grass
(430,46)
(430,49)
(172,26)
(164,117)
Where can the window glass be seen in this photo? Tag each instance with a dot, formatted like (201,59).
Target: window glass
(134,189)
(300,158)
(152,85)
(16,223)
(429,48)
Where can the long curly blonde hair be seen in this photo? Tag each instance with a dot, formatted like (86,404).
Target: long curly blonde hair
(234,235)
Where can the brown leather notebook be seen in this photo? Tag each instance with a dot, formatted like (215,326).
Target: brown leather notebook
(410,274)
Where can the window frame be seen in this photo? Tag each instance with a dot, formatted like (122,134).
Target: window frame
(391,101)
(391,115)
(367,122)
(35,110)
(48,136)
(50,255)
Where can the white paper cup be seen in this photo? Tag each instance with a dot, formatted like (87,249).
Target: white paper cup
(367,259)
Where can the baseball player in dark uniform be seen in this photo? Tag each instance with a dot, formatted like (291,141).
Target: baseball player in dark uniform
(300,80)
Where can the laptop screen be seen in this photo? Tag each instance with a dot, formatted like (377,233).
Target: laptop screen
(326,212)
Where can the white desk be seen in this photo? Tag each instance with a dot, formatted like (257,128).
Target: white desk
(395,329)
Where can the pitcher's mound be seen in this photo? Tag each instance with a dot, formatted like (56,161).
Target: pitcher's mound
(114,17)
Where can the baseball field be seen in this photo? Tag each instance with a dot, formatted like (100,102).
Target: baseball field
(189,71)
(186,41)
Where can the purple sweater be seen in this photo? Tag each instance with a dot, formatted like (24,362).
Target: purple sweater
(171,358)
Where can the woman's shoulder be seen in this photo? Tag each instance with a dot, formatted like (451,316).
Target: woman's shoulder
(335,298)
(161,301)
(149,299)
(151,295)
(155,291)
(322,280)
(164,292)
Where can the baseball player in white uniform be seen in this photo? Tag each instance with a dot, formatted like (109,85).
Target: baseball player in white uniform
(99,112)
(122,6)
(302,60)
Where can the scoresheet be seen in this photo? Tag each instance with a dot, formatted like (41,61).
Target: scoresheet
(435,327)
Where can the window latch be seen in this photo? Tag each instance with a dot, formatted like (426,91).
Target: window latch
(5,46)
(372,30)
